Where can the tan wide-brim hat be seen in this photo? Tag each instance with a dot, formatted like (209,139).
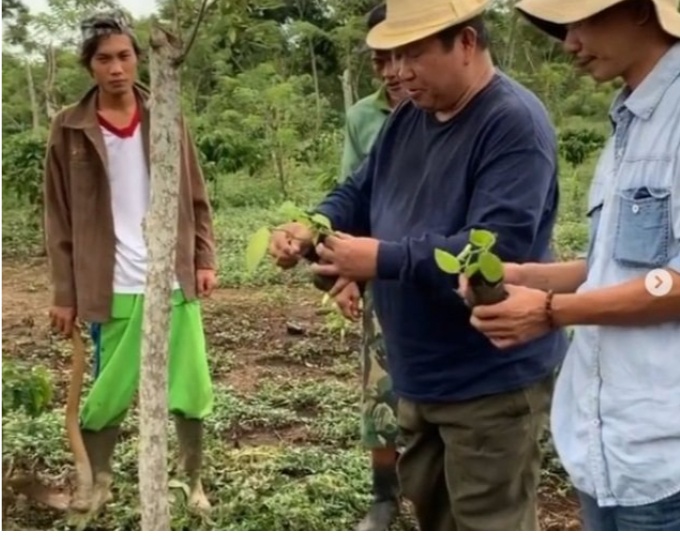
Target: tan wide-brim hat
(407,21)
(552,16)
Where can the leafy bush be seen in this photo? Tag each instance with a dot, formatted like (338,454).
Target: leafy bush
(25,388)
(23,156)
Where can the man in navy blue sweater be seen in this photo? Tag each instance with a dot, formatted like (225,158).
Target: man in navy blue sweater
(471,149)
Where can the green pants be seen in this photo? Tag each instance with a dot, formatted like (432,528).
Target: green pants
(379,404)
(117,362)
(475,465)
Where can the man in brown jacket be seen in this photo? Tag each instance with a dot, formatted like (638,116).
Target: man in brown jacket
(96,198)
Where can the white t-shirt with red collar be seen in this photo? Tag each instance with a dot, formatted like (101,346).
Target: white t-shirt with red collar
(130,192)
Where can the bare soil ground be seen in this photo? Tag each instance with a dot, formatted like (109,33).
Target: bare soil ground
(261,329)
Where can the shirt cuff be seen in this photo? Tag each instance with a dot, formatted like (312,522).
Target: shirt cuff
(391,257)
(674,264)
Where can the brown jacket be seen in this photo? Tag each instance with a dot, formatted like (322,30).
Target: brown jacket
(78,215)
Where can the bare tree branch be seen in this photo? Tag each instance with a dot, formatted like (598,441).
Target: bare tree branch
(194,32)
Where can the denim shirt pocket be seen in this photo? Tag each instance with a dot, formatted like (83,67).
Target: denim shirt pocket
(643,229)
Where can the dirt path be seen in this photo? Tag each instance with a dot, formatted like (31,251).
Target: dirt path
(255,335)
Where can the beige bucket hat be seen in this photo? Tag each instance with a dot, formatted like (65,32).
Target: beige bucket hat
(552,16)
(411,20)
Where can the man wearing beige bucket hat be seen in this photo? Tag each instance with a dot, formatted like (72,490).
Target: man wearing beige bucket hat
(616,409)
(471,148)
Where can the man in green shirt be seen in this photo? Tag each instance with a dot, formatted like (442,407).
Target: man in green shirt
(365,118)
(378,419)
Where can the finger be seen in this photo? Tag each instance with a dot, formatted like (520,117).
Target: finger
(512,288)
(282,245)
(486,312)
(339,286)
(67,327)
(332,241)
(356,312)
(324,252)
(295,247)
(278,250)
(492,326)
(346,309)
(340,236)
(462,284)
(325,269)
(504,343)
(350,311)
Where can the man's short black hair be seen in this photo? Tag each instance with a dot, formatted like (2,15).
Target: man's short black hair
(376,15)
(100,25)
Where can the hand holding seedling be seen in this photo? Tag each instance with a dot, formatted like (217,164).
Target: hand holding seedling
(506,312)
(518,319)
(512,275)
(288,243)
(354,258)
(483,270)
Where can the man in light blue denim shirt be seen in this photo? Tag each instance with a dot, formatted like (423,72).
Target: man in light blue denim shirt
(616,409)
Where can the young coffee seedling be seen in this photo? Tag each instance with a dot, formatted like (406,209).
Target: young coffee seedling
(317,223)
(482,268)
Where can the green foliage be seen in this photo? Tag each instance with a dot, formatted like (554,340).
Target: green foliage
(22,166)
(25,388)
(577,145)
(475,258)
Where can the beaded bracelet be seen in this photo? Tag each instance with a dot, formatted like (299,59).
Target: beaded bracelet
(548,308)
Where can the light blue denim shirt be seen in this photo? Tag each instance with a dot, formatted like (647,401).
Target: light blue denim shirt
(616,409)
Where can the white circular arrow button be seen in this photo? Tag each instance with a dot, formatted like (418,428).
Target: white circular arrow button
(658,282)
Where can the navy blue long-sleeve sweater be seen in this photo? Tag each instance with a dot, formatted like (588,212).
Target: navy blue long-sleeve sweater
(424,185)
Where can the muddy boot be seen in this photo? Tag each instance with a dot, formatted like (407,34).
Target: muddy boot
(99,446)
(190,436)
(385,506)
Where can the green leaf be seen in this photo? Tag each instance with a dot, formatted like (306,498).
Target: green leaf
(257,248)
(322,221)
(482,239)
(471,269)
(491,267)
(446,261)
(291,212)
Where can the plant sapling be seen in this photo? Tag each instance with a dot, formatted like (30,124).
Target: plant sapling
(317,223)
(482,268)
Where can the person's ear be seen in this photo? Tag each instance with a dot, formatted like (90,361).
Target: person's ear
(643,12)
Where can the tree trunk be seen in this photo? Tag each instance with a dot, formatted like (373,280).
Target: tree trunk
(35,113)
(317,91)
(160,231)
(347,93)
(51,107)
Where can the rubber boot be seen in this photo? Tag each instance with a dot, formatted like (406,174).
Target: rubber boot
(385,506)
(100,446)
(190,437)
